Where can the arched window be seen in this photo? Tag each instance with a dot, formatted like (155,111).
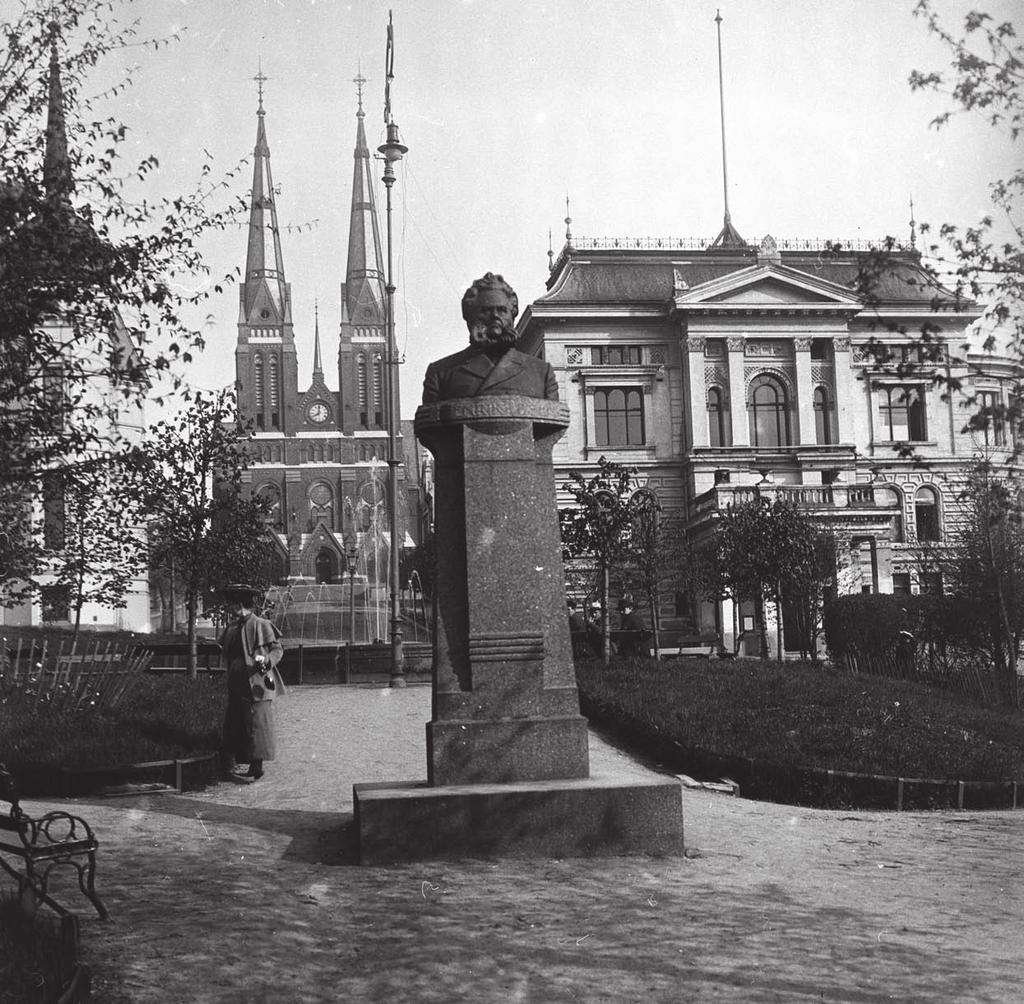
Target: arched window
(926,514)
(824,418)
(719,432)
(619,417)
(361,389)
(326,565)
(270,495)
(891,498)
(321,504)
(257,371)
(769,413)
(378,393)
(275,385)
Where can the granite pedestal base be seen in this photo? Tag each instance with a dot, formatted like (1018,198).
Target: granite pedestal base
(410,821)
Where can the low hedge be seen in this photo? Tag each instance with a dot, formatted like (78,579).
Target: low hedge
(738,717)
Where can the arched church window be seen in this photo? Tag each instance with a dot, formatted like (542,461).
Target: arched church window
(270,496)
(378,392)
(769,413)
(275,387)
(321,504)
(361,388)
(257,371)
(326,565)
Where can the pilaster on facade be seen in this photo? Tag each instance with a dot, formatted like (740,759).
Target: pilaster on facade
(806,432)
(736,348)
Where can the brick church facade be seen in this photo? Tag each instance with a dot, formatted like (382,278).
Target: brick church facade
(319,455)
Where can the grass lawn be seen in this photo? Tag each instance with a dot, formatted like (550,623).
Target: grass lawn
(802,714)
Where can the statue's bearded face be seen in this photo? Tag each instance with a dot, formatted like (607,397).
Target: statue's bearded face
(493,324)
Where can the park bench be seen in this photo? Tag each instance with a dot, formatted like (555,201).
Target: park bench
(174,654)
(56,838)
(675,646)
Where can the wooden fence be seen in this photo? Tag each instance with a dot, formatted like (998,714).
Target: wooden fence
(68,674)
(933,665)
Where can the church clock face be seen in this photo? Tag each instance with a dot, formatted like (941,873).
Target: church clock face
(318,412)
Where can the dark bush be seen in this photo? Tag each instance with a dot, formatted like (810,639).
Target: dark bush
(805,714)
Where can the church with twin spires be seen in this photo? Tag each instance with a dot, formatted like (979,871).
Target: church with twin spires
(318,455)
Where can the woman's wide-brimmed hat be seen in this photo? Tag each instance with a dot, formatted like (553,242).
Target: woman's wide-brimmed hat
(239,592)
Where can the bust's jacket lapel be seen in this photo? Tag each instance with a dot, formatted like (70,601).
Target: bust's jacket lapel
(477,368)
(507,368)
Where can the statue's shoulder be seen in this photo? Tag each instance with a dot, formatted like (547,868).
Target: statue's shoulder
(455,359)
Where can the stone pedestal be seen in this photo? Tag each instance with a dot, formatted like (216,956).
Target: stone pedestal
(507,749)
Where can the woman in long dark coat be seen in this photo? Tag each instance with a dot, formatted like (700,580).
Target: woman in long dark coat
(251,649)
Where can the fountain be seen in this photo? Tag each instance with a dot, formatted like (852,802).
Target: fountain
(319,620)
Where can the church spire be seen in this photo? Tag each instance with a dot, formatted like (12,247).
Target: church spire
(264,299)
(318,368)
(363,289)
(57,179)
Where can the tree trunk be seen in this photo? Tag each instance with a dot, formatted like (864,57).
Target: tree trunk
(652,602)
(606,635)
(192,663)
(762,625)
(778,621)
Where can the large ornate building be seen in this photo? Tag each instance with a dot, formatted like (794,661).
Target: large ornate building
(725,371)
(319,455)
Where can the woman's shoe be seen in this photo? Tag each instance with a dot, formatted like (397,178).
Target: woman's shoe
(255,770)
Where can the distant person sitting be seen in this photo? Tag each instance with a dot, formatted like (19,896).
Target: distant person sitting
(632,632)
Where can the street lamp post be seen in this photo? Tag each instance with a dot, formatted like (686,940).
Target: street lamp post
(351,562)
(393,151)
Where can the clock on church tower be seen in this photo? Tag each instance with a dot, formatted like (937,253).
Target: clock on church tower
(318,412)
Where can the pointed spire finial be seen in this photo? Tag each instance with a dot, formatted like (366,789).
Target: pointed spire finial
(359,80)
(551,253)
(318,367)
(260,81)
(568,222)
(913,225)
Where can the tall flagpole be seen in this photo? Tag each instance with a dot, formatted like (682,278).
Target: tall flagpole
(392,150)
(721,109)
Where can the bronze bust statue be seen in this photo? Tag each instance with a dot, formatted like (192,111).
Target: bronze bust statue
(491,364)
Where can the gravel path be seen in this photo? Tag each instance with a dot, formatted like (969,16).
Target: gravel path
(248,894)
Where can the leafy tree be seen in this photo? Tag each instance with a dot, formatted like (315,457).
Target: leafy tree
(984,261)
(659,559)
(985,569)
(597,528)
(94,548)
(204,531)
(769,550)
(89,277)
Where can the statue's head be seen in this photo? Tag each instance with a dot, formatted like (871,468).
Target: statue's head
(489,309)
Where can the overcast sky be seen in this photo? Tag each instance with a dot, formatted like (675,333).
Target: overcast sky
(507,106)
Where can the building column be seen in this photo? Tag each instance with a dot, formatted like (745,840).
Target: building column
(843,371)
(737,391)
(804,393)
(697,396)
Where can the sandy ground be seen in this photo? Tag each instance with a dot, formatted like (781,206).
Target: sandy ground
(250,894)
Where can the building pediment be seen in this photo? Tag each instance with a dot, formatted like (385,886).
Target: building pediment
(767,289)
